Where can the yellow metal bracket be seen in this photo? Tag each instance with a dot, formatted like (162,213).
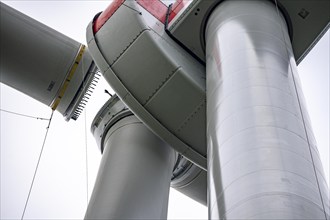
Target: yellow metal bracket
(62,90)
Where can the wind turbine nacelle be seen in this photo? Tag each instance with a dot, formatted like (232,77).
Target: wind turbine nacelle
(159,81)
(153,57)
(44,64)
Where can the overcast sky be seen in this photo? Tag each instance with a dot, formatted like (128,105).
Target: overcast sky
(60,186)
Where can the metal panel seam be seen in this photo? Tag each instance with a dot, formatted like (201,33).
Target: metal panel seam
(161,85)
(127,46)
(260,195)
(195,111)
(302,114)
(260,126)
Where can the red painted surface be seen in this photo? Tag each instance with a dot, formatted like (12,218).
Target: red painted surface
(155,7)
(176,8)
(158,9)
(105,15)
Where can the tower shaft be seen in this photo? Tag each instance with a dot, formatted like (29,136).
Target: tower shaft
(263,162)
(134,177)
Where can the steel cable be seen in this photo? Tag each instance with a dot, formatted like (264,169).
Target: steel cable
(37,166)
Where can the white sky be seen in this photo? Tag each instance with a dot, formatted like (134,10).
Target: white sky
(60,188)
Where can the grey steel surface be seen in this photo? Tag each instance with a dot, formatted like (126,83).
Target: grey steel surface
(33,55)
(134,176)
(190,180)
(36,60)
(188,27)
(186,177)
(263,161)
(139,54)
(111,112)
(158,80)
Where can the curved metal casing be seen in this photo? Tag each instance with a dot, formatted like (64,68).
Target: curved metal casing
(263,161)
(134,177)
(307,22)
(187,178)
(133,51)
(157,79)
(43,63)
(110,113)
(190,180)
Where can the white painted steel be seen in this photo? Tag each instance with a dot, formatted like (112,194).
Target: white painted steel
(36,60)
(111,112)
(263,162)
(186,177)
(190,180)
(188,26)
(135,172)
(158,80)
